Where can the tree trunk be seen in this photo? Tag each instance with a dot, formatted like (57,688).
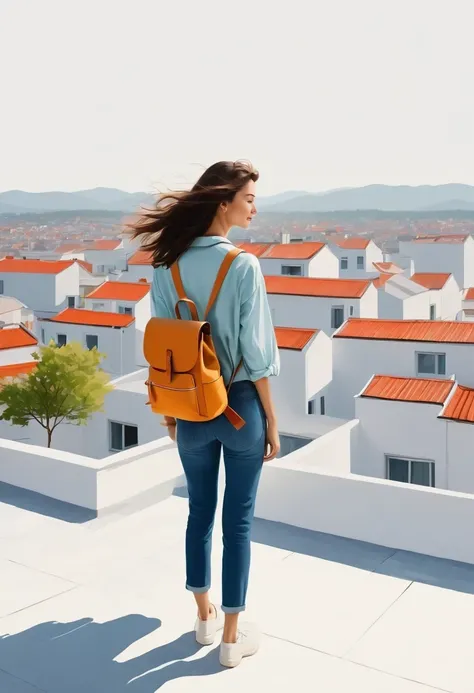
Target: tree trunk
(50,433)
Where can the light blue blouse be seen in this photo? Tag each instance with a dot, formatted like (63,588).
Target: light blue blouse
(241,323)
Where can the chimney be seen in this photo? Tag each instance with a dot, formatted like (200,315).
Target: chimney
(9,257)
(142,280)
(284,237)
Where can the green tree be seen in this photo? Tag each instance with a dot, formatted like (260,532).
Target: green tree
(68,386)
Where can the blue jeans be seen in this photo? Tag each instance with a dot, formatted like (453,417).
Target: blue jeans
(200,446)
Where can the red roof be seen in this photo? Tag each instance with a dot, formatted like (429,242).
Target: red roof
(432,238)
(408,330)
(293,251)
(431,280)
(309,286)
(15,369)
(353,243)
(461,405)
(86,265)
(103,244)
(381,280)
(70,248)
(96,318)
(255,248)
(426,390)
(121,291)
(469,294)
(34,266)
(15,337)
(293,337)
(387,267)
(141,257)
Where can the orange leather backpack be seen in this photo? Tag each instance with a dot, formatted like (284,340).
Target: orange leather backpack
(184,377)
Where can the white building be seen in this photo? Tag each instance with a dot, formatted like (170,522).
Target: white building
(356,257)
(307,259)
(125,298)
(46,287)
(417,431)
(16,345)
(108,255)
(409,348)
(400,298)
(138,267)
(319,303)
(444,294)
(111,333)
(446,253)
(13,311)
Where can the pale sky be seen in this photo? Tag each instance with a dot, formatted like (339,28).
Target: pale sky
(144,94)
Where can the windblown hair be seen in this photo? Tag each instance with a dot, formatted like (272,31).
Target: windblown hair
(180,217)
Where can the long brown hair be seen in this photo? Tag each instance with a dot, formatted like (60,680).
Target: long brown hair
(180,217)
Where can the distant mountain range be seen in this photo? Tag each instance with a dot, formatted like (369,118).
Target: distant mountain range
(401,198)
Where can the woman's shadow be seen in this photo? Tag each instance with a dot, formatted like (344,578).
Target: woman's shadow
(79,656)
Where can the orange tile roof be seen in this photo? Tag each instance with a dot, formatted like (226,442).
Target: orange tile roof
(426,390)
(461,405)
(141,257)
(309,286)
(408,330)
(381,280)
(431,280)
(69,248)
(387,267)
(15,337)
(293,251)
(103,244)
(15,369)
(255,248)
(432,238)
(469,294)
(96,318)
(34,266)
(293,337)
(353,243)
(121,291)
(86,265)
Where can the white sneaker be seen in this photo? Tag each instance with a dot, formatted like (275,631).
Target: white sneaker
(248,642)
(206,630)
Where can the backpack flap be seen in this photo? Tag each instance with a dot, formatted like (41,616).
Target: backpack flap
(181,338)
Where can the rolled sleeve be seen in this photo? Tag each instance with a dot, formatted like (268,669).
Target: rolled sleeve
(257,335)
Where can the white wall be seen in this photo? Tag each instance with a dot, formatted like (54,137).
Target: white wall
(399,429)
(67,284)
(323,264)
(440,257)
(38,291)
(142,316)
(315,312)
(450,301)
(117,343)
(19,355)
(370,254)
(109,259)
(137,272)
(356,360)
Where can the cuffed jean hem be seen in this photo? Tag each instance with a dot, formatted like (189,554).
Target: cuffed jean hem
(198,590)
(232,609)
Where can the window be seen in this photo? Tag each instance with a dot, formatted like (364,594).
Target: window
(337,316)
(98,306)
(344,263)
(122,436)
(411,471)
(431,364)
(432,312)
(61,340)
(71,301)
(92,341)
(322,405)
(42,335)
(293,270)
(101,269)
(311,407)
(360,262)
(351,310)
(126,310)
(1,286)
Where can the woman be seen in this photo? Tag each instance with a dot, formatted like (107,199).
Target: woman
(192,227)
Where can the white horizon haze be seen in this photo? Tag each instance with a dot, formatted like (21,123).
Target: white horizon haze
(143,96)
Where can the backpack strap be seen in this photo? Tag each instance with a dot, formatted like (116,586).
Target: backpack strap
(221,275)
(178,282)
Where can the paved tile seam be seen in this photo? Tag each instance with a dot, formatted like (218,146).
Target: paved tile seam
(32,685)
(344,656)
(44,572)
(359,664)
(41,601)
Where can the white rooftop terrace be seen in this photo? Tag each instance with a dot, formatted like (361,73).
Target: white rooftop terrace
(92,598)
